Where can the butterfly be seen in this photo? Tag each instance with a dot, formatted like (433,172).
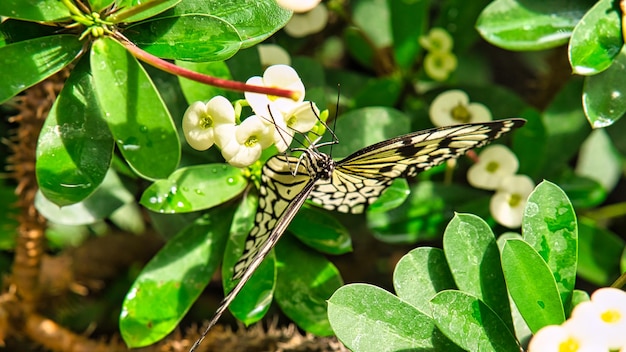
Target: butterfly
(348,185)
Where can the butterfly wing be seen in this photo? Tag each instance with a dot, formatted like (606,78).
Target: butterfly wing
(360,178)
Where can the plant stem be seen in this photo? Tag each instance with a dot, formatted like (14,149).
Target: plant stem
(131,11)
(198,77)
(607,212)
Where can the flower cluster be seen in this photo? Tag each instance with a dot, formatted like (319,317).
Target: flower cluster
(439,62)
(275,121)
(597,325)
(496,170)
(453,107)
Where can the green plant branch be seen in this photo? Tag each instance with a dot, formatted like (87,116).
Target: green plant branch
(607,212)
(198,77)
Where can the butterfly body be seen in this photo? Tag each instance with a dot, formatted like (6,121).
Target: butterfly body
(348,185)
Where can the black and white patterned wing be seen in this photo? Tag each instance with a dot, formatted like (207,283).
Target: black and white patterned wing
(281,195)
(359,179)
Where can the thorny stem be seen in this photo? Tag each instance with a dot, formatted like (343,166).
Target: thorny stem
(198,77)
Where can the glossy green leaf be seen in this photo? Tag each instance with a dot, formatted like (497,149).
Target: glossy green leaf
(320,230)
(99,5)
(108,197)
(74,149)
(196,91)
(579,296)
(147,12)
(599,161)
(566,127)
(194,188)
(602,94)
(13,31)
(254,21)
(392,197)
(186,37)
(582,191)
(305,281)
(549,226)
(255,298)
(174,278)
(527,25)
(599,252)
(368,318)
(523,268)
(28,62)
(470,323)
(424,215)
(597,39)
(420,274)
(372,17)
(137,117)
(474,259)
(362,127)
(34,10)
(408,22)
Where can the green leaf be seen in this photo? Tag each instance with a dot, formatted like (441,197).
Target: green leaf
(362,127)
(174,278)
(392,197)
(108,197)
(305,281)
(34,10)
(320,230)
(28,62)
(599,161)
(597,39)
(470,323)
(529,145)
(599,252)
(523,268)
(186,37)
(13,31)
(566,127)
(137,117)
(196,91)
(150,11)
(424,215)
(474,259)
(74,149)
(408,22)
(549,226)
(420,274)
(368,318)
(194,188)
(359,47)
(99,5)
(373,19)
(254,21)
(525,25)
(255,298)
(582,191)
(604,109)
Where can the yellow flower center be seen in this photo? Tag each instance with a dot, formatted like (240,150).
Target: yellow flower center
(291,120)
(460,113)
(251,141)
(569,345)
(492,167)
(611,316)
(206,122)
(514,200)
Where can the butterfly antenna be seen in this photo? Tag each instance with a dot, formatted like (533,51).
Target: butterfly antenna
(332,132)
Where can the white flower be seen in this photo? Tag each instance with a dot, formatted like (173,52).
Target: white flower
(574,336)
(607,311)
(200,121)
(437,39)
(495,162)
(301,25)
(508,203)
(438,65)
(298,5)
(276,76)
(272,54)
(453,107)
(242,145)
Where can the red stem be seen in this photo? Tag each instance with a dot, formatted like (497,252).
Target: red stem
(198,77)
